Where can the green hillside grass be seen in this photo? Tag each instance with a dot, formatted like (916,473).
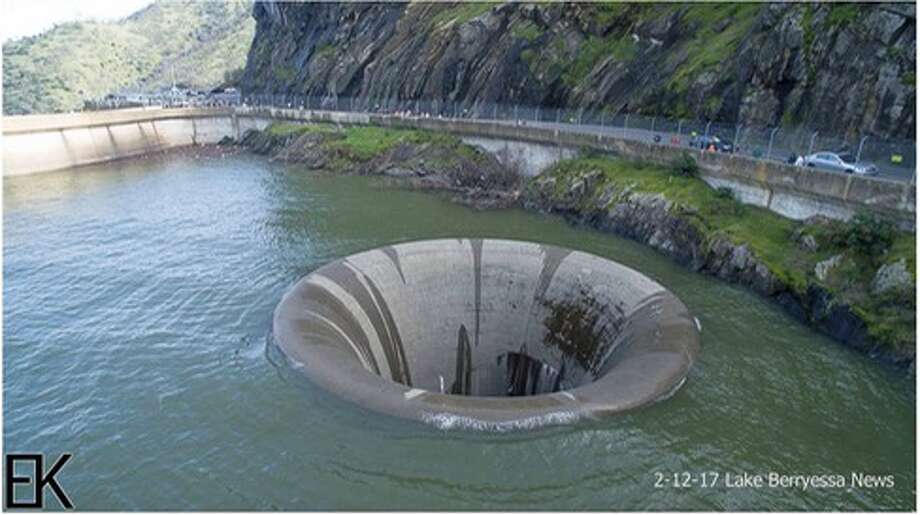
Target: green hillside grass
(197,41)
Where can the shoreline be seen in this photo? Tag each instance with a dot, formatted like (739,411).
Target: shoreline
(649,219)
(818,309)
(650,225)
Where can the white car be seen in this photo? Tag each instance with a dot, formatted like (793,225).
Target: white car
(840,162)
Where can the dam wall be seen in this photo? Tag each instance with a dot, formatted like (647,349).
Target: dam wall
(44,143)
(41,143)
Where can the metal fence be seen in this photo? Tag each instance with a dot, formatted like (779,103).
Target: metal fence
(895,158)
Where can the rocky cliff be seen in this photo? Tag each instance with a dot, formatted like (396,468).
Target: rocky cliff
(843,68)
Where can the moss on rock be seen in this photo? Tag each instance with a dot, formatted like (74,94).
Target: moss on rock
(769,238)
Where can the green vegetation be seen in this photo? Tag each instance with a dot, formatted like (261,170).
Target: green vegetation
(460,13)
(626,14)
(719,30)
(197,42)
(608,13)
(789,118)
(725,192)
(870,235)
(443,158)
(866,242)
(366,142)
(860,246)
(559,58)
(710,36)
(904,247)
(325,49)
(685,166)
(863,244)
(287,129)
(527,30)
(808,25)
(233,77)
(550,60)
(361,143)
(594,51)
(842,14)
(766,233)
(284,73)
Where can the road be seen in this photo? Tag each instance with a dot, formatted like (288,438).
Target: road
(780,151)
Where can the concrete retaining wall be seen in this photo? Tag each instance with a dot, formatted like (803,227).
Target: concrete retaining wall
(531,158)
(43,143)
(51,142)
(793,192)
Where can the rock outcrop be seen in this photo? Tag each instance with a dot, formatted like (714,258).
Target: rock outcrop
(892,277)
(433,162)
(841,68)
(664,225)
(589,198)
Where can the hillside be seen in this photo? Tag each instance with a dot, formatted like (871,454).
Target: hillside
(56,70)
(843,68)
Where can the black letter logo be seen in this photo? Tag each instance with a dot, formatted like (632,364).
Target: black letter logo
(44,479)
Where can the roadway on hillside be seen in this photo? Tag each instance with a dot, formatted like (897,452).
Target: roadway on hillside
(778,153)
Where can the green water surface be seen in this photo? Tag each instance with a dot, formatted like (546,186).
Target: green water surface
(137,301)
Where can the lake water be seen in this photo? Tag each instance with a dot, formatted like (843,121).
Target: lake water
(137,303)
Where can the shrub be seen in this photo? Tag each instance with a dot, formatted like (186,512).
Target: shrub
(724,192)
(586,152)
(868,234)
(727,203)
(685,166)
(473,169)
(233,77)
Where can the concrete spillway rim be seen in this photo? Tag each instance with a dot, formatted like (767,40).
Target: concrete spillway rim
(350,380)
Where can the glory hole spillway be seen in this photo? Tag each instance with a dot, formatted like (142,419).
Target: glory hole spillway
(487,333)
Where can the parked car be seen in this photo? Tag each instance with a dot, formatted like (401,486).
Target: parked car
(704,143)
(840,162)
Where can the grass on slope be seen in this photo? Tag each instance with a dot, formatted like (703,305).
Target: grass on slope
(719,30)
(363,142)
(766,233)
(287,129)
(713,31)
(770,237)
(716,214)
(460,13)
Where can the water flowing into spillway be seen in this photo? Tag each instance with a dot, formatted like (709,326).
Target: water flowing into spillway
(493,331)
(137,295)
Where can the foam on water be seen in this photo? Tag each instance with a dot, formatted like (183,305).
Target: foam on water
(449,421)
(126,287)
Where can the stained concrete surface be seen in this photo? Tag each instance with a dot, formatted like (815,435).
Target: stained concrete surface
(487,331)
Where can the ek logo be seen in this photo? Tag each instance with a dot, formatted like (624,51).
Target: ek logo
(39,481)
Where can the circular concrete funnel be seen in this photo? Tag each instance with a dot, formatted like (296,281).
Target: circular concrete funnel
(487,333)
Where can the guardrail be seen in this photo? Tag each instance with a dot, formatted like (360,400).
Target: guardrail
(24,124)
(895,159)
(52,142)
